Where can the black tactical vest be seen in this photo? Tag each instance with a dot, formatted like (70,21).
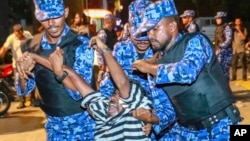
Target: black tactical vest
(54,99)
(207,95)
(111,38)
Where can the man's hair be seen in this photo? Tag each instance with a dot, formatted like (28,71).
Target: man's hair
(17,28)
(173,18)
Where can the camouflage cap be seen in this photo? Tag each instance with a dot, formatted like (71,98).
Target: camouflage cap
(154,13)
(188,13)
(48,9)
(135,16)
(220,14)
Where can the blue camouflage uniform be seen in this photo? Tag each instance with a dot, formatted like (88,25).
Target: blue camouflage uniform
(79,126)
(198,52)
(125,53)
(224,52)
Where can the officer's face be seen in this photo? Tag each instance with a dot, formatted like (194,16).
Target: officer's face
(161,35)
(55,27)
(218,21)
(185,20)
(141,45)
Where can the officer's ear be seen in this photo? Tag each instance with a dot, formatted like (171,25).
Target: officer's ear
(66,12)
(172,26)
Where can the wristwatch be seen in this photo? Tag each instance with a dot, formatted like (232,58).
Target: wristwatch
(61,78)
(106,50)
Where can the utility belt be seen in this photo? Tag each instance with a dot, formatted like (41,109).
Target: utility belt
(231,111)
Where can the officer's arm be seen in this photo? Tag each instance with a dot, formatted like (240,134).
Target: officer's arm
(75,79)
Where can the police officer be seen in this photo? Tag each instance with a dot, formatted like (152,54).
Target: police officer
(188,21)
(223,42)
(109,37)
(190,73)
(66,120)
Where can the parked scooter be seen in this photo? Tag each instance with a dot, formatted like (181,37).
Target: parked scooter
(7,90)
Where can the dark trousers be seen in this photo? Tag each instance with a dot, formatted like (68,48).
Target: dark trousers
(239,58)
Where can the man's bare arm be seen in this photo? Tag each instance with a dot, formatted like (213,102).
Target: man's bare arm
(117,73)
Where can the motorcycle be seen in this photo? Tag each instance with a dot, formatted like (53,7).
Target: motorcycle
(7,89)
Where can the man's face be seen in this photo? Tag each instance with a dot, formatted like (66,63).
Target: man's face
(237,21)
(160,36)
(115,106)
(218,21)
(185,20)
(54,27)
(77,19)
(19,34)
(142,45)
(109,23)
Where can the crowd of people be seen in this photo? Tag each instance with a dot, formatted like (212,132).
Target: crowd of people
(156,81)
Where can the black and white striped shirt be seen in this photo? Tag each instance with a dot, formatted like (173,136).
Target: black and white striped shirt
(122,127)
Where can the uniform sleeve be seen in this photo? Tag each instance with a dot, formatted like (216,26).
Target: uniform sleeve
(198,52)
(107,86)
(163,110)
(29,87)
(83,65)
(228,33)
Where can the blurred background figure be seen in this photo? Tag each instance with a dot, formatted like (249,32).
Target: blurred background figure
(80,25)
(14,43)
(239,40)
(125,33)
(223,43)
(247,53)
(109,37)
(188,22)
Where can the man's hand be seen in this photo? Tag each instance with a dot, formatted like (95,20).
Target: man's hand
(98,44)
(25,64)
(147,129)
(56,60)
(142,114)
(100,76)
(156,56)
(141,65)
(237,28)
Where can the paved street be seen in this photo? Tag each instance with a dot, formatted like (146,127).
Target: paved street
(27,124)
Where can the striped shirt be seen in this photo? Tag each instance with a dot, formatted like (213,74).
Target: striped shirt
(123,126)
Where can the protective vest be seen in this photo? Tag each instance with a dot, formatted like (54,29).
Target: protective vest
(219,36)
(111,38)
(207,95)
(54,99)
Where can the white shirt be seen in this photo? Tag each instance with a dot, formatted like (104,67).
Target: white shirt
(15,44)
